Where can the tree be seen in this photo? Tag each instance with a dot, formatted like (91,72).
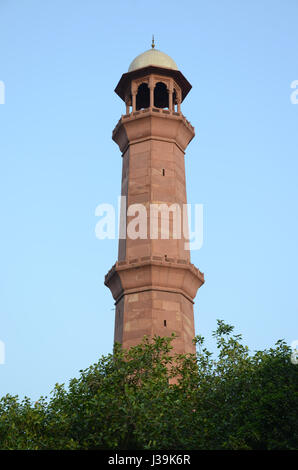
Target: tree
(149,398)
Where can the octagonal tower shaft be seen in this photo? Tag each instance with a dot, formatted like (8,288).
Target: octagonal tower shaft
(153,282)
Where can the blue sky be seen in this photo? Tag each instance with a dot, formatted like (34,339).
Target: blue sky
(60,62)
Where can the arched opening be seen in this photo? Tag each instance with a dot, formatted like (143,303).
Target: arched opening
(161,96)
(174,99)
(128,103)
(143,97)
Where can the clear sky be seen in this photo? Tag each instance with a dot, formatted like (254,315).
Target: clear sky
(60,61)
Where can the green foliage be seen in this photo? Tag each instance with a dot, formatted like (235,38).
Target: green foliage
(148,398)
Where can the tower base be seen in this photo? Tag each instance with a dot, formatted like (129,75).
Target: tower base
(154,297)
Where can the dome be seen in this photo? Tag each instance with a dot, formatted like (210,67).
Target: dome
(152,57)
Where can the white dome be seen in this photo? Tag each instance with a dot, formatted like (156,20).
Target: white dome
(152,57)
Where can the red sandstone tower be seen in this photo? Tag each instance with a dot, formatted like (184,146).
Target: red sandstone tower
(153,282)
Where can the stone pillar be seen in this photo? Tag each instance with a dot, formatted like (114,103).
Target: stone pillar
(170,91)
(179,102)
(153,282)
(151,88)
(134,95)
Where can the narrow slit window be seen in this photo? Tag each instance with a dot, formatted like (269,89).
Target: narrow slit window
(165,323)
(163,172)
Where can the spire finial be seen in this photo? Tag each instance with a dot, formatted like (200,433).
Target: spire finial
(153,44)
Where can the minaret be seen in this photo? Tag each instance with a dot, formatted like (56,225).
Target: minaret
(153,282)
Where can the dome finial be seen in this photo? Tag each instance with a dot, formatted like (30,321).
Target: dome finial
(153,45)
